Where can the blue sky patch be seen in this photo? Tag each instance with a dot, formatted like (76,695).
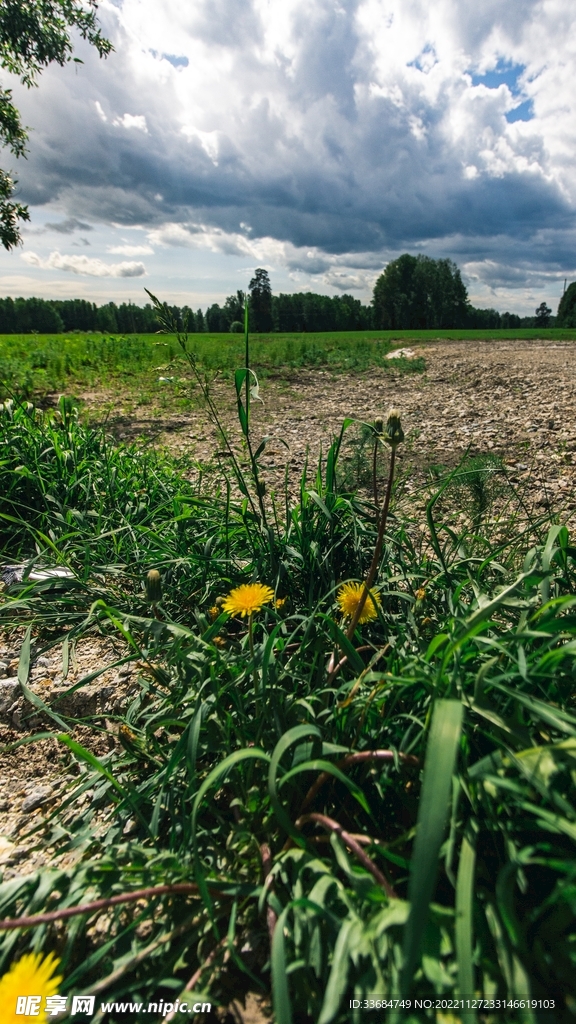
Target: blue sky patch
(176,62)
(523,112)
(505,73)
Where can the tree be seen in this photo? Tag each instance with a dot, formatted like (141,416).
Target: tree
(420,292)
(260,301)
(34,34)
(543,314)
(233,309)
(566,315)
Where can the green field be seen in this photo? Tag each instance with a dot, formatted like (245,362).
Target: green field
(36,363)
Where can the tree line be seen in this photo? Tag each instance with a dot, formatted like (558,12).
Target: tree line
(412,293)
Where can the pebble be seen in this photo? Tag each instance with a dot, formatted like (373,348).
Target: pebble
(9,690)
(36,798)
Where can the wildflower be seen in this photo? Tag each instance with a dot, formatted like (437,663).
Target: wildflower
(420,594)
(348,598)
(213,612)
(31,976)
(247,599)
(280,602)
(393,433)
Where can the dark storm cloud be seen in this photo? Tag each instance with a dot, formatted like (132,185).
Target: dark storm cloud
(314,156)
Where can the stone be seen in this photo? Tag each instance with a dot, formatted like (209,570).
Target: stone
(36,798)
(9,690)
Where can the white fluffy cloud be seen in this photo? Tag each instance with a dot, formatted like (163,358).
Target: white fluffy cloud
(84,265)
(271,129)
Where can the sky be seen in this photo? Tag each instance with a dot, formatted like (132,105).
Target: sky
(318,139)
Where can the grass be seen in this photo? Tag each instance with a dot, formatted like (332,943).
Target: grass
(399,825)
(33,364)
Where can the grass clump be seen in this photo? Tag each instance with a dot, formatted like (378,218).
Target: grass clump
(297,803)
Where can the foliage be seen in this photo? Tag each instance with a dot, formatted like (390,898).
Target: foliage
(566,316)
(420,292)
(403,824)
(260,301)
(543,315)
(32,36)
(298,313)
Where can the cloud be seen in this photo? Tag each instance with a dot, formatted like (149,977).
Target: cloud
(137,121)
(68,226)
(84,265)
(352,131)
(130,250)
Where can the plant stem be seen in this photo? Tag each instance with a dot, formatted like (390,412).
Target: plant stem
(377,550)
(254,672)
(374,472)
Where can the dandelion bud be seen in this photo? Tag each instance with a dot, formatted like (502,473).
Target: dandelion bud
(153,587)
(393,434)
(379,427)
(261,488)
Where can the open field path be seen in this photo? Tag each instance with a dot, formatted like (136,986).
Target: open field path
(516,399)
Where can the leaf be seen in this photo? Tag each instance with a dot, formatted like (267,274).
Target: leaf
(464,916)
(280,990)
(432,814)
(354,659)
(292,736)
(321,504)
(215,775)
(24,660)
(338,979)
(326,766)
(486,609)
(553,716)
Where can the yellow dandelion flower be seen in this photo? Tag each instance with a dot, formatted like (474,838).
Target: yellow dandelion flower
(348,597)
(213,612)
(420,594)
(247,599)
(32,975)
(280,602)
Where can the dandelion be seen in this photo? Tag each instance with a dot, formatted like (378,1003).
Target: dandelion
(420,594)
(247,599)
(213,612)
(153,587)
(348,597)
(280,602)
(32,975)
(393,433)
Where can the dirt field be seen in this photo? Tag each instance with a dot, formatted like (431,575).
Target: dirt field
(516,399)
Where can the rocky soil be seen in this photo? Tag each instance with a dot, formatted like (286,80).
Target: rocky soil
(515,399)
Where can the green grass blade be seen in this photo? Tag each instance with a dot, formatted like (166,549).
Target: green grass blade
(280,991)
(464,918)
(432,814)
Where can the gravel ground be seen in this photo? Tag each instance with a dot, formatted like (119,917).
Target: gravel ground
(516,399)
